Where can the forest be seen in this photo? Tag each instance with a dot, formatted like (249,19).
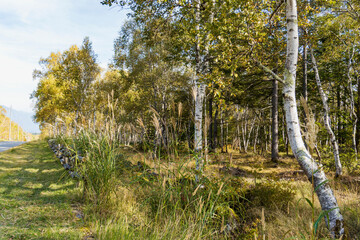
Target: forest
(215,119)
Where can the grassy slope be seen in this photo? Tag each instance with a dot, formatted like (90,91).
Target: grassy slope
(35,197)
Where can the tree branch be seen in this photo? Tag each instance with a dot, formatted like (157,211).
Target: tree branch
(268,70)
(276,9)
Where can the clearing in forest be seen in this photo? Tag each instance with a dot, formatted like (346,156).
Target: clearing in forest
(36,199)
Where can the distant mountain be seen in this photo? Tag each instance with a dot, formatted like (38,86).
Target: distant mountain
(24,119)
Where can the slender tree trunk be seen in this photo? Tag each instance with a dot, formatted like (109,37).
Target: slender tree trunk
(188,134)
(244,131)
(221,131)
(352,105)
(215,127)
(256,139)
(305,66)
(305,80)
(327,121)
(238,127)
(211,144)
(207,69)
(226,137)
(275,124)
(206,127)
(200,94)
(314,173)
(358,112)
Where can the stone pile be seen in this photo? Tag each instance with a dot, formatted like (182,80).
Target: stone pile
(67,158)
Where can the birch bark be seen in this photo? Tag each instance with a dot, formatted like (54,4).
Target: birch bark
(202,67)
(200,93)
(327,120)
(352,104)
(314,172)
(275,124)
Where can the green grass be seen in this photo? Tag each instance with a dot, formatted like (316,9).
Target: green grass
(36,196)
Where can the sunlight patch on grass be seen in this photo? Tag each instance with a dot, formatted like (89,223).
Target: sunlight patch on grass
(5,169)
(9,161)
(53,193)
(51,170)
(48,161)
(56,186)
(33,185)
(32,170)
(15,181)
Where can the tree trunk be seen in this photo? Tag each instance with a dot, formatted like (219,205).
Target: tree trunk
(206,127)
(238,127)
(339,125)
(215,128)
(327,121)
(305,80)
(210,123)
(221,131)
(353,115)
(358,112)
(188,134)
(256,138)
(226,137)
(314,173)
(200,94)
(275,124)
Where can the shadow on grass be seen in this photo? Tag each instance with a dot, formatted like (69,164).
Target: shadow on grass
(36,195)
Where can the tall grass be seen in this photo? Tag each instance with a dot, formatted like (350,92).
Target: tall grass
(97,159)
(174,208)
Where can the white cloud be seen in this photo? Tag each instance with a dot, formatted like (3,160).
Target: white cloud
(30,29)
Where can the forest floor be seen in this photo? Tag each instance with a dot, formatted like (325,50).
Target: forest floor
(298,219)
(36,200)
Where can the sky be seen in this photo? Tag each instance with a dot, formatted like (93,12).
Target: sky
(31,29)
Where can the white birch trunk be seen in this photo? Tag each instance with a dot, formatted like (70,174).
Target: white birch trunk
(200,94)
(202,67)
(327,120)
(352,105)
(314,173)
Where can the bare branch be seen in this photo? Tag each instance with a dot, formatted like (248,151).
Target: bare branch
(276,10)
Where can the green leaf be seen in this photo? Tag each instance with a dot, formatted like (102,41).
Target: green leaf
(310,203)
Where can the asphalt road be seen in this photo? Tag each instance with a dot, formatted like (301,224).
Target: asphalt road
(7,145)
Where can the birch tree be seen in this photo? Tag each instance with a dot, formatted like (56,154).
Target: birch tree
(313,171)
(200,92)
(327,120)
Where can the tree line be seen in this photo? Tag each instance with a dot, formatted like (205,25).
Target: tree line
(207,75)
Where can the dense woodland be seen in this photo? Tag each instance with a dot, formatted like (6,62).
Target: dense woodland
(211,79)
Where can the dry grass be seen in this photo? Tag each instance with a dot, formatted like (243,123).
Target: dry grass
(296,221)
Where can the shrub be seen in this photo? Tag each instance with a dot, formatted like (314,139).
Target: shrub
(271,194)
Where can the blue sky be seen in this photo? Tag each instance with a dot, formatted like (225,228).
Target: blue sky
(30,29)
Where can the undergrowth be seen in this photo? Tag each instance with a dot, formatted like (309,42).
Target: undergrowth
(131,201)
(127,199)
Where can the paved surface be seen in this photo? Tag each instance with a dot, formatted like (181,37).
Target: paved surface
(7,145)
